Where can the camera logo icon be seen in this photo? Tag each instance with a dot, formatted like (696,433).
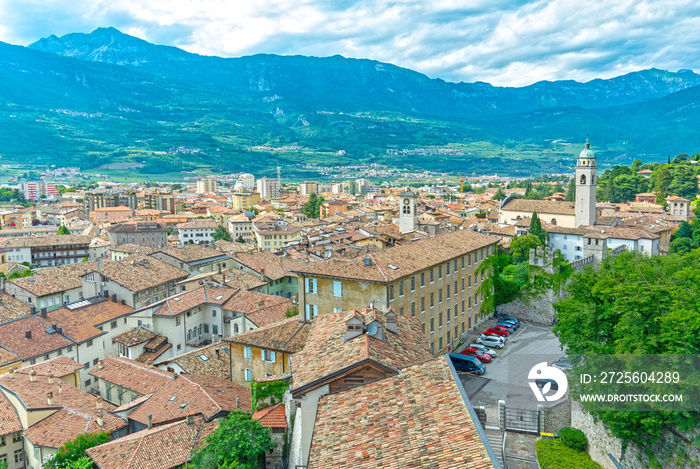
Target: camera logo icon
(543,379)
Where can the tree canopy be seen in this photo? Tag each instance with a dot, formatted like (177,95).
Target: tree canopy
(635,304)
(63,230)
(536,228)
(221,233)
(520,246)
(72,452)
(312,208)
(240,441)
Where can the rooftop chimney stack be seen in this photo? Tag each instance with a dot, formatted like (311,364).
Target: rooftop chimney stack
(49,398)
(218,268)
(60,387)
(32,376)
(261,304)
(50,378)
(98,403)
(43,313)
(150,421)
(32,310)
(98,416)
(28,333)
(12,373)
(59,330)
(190,419)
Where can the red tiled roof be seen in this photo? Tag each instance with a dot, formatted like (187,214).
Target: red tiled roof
(131,375)
(275,267)
(13,338)
(414,419)
(272,416)
(182,302)
(80,324)
(65,425)
(9,420)
(161,447)
(407,259)
(58,366)
(327,351)
(288,336)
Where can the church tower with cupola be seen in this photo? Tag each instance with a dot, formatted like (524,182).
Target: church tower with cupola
(586,180)
(408,216)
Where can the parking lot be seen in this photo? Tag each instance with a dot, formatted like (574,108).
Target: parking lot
(506,376)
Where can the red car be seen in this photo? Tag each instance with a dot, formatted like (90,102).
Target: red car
(485,357)
(493,331)
(501,328)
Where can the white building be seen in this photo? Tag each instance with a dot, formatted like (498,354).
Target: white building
(571,242)
(206,185)
(197,231)
(245,183)
(269,188)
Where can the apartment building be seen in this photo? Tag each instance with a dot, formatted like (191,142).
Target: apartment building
(240,226)
(206,185)
(47,251)
(241,201)
(197,231)
(143,233)
(436,280)
(269,188)
(274,236)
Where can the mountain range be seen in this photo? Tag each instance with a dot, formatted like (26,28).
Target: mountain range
(106,98)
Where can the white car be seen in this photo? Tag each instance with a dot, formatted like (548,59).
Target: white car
(482,349)
(490,341)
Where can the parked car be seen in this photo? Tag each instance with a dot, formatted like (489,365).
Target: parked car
(467,364)
(485,357)
(490,341)
(482,349)
(502,328)
(510,325)
(500,332)
(541,383)
(562,364)
(503,317)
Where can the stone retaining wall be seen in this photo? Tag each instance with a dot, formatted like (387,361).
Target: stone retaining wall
(535,310)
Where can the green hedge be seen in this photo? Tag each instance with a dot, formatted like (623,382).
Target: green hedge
(573,438)
(552,454)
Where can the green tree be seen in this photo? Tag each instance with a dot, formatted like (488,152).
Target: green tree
(63,230)
(221,233)
(536,228)
(570,191)
(499,195)
(292,311)
(312,208)
(635,304)
(74,450)
(240,239)
(520,247)
(239,441)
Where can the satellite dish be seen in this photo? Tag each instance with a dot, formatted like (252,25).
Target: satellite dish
(372,328)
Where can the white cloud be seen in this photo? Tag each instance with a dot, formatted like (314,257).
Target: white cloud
(504,42)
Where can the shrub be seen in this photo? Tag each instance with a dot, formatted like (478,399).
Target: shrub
(552,454)
(573,438)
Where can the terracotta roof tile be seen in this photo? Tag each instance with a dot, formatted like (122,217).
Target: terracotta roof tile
(12,308)
(161,447)
(131,375)
(189,253)
(413,419)
(52,280)
(184,394)
(13,338)
(217,363)
(138,272)
(67,424)
(327,351)
(275,267)
(58,366)
(407,258)
(540,206)
(288,336)
(272,416)
(80,324)
(9,420)
(182,302)
(205,223)
(134,336)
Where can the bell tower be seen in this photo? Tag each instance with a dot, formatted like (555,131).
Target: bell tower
(408,216)
(586,180)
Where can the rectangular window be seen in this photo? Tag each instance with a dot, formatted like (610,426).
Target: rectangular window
(455,287)
(455,265)
(422,279)
(448,315)
(413,283)
(440,344)
(439,272)
(267,356)
(311,285)
(19,455)
(400,287)
(206,328)
(440,320)
(214,329)
(448,292)
(88,343)
(311,311)
(447,269)
(337,310)
(247,352)
(432,275)
(432,300)
(337,288)
(432,324)
(391,292)
(413,309)
(422,304)
(87,382)
(462,306)
(113,324)
(470,302)
(462,283)
(469,259)
(248,374)
(462,262)
(440,295)
(470,280)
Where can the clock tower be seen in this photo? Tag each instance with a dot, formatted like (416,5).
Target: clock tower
(586,179)
(408,217)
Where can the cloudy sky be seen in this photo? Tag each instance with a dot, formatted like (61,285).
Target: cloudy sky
(503,42)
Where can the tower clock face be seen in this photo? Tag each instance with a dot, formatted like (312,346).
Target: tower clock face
(406,201)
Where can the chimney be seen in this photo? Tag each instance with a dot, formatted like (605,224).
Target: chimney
(12,373)
(262,275)
(49,398)
(59,330)
(261,304)
(218,268)
(53,326)
(50,378)
(98,403)
(28,334)
(32,376)
(60,386)
(32,310)
(98,416)
(123,302)
(43,313)
(150,421)
(190,419)
(114,297)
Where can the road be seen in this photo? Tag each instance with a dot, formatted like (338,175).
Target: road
(506,376)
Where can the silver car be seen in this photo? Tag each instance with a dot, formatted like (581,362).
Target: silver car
(482,349)
(490,341)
